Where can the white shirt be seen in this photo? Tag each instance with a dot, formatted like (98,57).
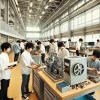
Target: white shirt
(4,62)
(97,44)
(78,45)
(63,52)
(67,45)
(26,60)
(53,48)
(22,45)
(42,48)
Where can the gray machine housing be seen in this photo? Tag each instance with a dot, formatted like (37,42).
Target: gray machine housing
(75,70)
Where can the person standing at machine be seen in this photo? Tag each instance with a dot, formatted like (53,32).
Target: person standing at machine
(78,46)
(94,63)
(26,64)
(67,44)
(63,52)
(41,51)
(5,73)
(22,46)
(16,49)
(53,47)
(97,43)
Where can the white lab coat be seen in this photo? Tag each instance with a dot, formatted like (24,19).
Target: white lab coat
(26,60)
(53,48)
(42,48)
(97,44)
(63,52)
(4,63)
(78,45)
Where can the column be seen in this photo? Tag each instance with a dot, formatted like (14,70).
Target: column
(69,24)
(6,2)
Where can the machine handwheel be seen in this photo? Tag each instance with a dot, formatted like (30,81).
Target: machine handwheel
(78,69)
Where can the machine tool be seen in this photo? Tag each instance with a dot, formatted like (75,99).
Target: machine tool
(54,67)
(75,70)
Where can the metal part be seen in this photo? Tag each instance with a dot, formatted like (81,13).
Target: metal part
(54,67)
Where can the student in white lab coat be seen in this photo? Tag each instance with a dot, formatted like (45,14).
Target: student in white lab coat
(63,52)
(5,73)
(78,46)
(26,64)
(42,51)
(97,43)
(53,47)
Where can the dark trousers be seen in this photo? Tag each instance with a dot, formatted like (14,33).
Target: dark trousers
(25,83)
(21,51)
(77,52)
(4,89)
(43,58)
(16,57)
(48,48)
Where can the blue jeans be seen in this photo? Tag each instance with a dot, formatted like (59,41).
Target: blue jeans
(25,83)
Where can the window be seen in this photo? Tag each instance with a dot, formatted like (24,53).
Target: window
(32,29)
(33,35)
(95,37)
(56,30)
(89,38)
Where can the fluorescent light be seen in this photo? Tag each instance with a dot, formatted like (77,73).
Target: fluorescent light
(51,0)
(18,9)
(46,7)
(43,12)
(40,17)
(30,10)
(31,4)
(16,2)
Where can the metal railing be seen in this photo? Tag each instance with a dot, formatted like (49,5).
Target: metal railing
(9,31)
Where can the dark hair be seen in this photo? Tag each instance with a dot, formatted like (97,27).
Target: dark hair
(18,41)
(81,39)
(97,40)
(29,45)
(38,43)
(5,46)
(96,53)
(69,39)
(60,44)
(52,40)
(23,40)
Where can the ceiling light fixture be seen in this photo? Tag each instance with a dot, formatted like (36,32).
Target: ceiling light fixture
(46,7)
(43,12)
(40,17)
(30,10)
(51,0)
(31,4)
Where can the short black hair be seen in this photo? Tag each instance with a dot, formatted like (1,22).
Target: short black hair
(18,41)
(69,39)
(60,44)
(23,40)
(96,53)
(81,39)
(5,46)
(98,40)
(38,43)
(29,45)
(52,40)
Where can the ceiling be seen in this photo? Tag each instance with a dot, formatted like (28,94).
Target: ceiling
(36,12)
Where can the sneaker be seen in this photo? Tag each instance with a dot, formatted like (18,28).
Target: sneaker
(31,92)
(25,97)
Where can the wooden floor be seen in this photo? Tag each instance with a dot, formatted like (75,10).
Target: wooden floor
(15,85)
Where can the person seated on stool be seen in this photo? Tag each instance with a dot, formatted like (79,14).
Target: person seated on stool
(26,64)
(94,64)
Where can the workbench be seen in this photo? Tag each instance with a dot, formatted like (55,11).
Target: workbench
(87,53)
(46,88)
